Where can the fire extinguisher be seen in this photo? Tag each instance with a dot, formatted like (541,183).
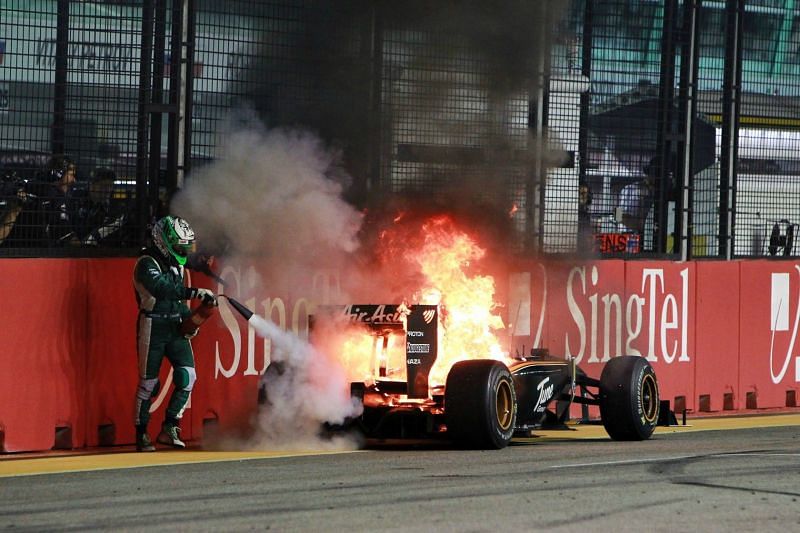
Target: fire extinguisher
(192,323)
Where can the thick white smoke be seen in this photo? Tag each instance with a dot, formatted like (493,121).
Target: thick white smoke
(276,194)
(274,199)
(305,389)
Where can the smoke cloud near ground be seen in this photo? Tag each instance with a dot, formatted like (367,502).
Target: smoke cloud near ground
(305,389)
(274,198)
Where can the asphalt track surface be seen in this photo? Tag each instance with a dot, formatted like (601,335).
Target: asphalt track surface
(732,474)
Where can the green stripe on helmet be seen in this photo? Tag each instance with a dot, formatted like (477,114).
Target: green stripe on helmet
(173,241)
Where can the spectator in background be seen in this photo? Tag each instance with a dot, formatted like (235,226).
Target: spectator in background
(60,205)
(10,212)
(13,198)
(44,217)
(105,217)
(636,199)
(585,227)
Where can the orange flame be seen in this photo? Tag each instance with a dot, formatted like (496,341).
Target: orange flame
(468,320)
(437,256)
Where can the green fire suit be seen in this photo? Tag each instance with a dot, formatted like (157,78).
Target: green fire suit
(161,295)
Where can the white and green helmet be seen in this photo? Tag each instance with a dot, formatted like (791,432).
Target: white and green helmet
(173,236)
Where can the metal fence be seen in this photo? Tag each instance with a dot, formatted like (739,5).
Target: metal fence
(602,127)
(709,89)
(69,80)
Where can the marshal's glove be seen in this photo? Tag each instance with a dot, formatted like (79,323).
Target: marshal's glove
(205,296)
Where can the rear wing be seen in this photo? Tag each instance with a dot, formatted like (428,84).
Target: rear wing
(418,323)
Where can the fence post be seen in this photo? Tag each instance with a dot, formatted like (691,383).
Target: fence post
(58,144)
(537,122)
(731,100)
(688,99)
(145,89)
(665,138)
(187,109)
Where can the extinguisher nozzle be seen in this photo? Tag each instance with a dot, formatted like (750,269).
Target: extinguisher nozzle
(245,312)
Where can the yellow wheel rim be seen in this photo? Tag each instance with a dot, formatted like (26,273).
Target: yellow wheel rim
(504,404)
(650,398)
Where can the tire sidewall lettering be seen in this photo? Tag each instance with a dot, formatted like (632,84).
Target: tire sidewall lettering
(639,393)
(642,374)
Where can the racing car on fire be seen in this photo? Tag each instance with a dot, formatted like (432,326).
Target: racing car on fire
(483,402)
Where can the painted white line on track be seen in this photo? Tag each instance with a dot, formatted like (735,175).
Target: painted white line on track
(625,462)
(756,454)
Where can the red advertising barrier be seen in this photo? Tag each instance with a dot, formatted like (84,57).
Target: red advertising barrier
(68,351)
(716,329)
(768,348)
(112,367)
(586,314)
(722,336)
(43,354)
(229,358)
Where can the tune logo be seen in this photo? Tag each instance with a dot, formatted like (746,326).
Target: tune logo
(779,322)
(545,388)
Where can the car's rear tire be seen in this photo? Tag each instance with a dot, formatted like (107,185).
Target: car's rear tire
(629,399)
(480,404)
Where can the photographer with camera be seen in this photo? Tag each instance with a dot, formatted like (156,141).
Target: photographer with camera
(105,219)
(47,212)
(61,203)
(13,198)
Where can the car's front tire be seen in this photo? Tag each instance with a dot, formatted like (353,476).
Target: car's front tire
(629,398)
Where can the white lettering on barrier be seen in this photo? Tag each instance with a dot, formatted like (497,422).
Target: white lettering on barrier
(229,319)
(779,299)
(576,313)
(672,317)
(538,338)
(639,313)
(519,303)
(673,313)
(611,301)
(274,309)
(232,325)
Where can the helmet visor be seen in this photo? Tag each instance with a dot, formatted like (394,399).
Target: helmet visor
(184,248)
